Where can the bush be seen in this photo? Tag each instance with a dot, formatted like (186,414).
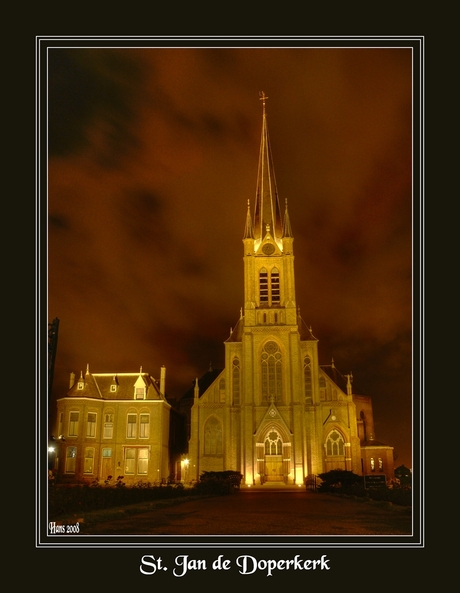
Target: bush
(217,483)
(340,480)
(213,487)
(74,499)
(350,484)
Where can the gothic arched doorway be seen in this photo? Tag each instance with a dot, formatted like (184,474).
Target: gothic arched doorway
(273,447)
(273,466)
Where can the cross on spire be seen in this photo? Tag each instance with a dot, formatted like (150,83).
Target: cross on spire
(263,97)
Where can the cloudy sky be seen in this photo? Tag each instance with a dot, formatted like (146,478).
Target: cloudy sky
(152,157)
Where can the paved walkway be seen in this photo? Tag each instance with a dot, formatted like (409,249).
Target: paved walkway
(265,510)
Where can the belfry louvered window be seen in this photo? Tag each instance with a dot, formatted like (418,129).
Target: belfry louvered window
(269,287)
(275,286)
(263,284)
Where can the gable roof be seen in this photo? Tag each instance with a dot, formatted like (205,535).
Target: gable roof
(115,386)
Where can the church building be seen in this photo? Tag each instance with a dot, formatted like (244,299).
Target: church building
(274,413)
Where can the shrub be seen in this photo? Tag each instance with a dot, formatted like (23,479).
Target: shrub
(217,483)
(72,499)
(339,480)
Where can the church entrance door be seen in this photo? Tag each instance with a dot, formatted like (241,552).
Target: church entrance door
(274,468)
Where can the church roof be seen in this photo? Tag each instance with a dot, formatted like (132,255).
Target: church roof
(203,383)
(304,331)
(333,373)
(236,334)
(374,443)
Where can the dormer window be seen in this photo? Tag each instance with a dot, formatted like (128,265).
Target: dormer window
(80,384)
(113,388)
(140,392)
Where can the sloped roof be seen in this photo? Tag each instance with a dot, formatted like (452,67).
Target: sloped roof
(237,332)
(305,331)
(374,443)
(99,386)
(335,375)
(203,383)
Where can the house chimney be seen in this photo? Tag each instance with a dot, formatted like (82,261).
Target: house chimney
(162,379)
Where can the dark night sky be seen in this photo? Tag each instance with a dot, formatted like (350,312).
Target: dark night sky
(152,158)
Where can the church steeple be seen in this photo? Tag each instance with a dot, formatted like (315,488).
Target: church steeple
(269,283)
(267,212)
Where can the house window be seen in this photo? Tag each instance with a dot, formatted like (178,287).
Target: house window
(140,392)
(73,424)
(108,426)
(70,459)
(89,460)
(307,379)
(136,460)
(131,426)
(144,426)
(213,437)
(275,286)
(91,425)
(271,362)
(61,420)
(236,381)
(143,461)
(130,461)
(380,464)
(80,385)
(372,464)
(335,444)
(113,388)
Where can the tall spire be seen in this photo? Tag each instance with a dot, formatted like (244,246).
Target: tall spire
(267,207)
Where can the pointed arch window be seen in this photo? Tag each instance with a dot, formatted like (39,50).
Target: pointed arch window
(273,444)
(272,369)
(335,445)
(213,437)
(236,381)
(307,379)
(322,388)
(222,390)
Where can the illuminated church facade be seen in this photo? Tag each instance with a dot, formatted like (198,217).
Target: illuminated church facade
(274,413)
